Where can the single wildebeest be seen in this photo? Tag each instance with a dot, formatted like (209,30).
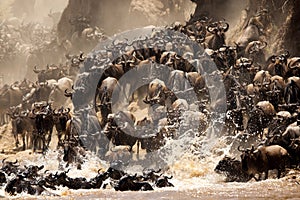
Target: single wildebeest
(232,169)
(263,159)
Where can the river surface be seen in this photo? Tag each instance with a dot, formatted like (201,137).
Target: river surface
(193,177)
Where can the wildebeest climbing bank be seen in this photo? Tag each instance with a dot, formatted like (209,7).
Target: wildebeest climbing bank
(182,99)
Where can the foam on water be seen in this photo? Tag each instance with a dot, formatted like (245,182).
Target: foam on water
(192,167)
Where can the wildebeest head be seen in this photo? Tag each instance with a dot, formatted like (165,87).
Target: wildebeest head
(9,167)
(217,29)
(247,157)
(262,79)
(278,65)
(224,165)
(293,67)
(255,47)
(232,169)
(242,68)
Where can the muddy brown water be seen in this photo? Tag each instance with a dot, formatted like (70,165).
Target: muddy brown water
(193,177)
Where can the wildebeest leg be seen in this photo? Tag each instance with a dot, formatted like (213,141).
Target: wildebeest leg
(278,173)
(266,174)
(49,137)
(1,119)
(256,179)
(44,143)
(138,150)
(29,140)
(17,139)
(24,144)
(130,149)
(39,143)
(59,134)
(34,143)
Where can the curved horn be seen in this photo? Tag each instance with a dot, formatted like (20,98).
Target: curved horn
(81,58)
(211,28)
(112,150)
(271,58)
(33,111)
(68,94)
(55,112)
(146,100)
(250,61)
(292,64)
(16,114)
(67,110)
(169,177)
(225,26)
(239,149)
(287,54)
(35,70)
(4,160)
(263,45)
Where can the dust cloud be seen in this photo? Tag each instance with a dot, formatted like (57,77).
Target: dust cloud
(26,26)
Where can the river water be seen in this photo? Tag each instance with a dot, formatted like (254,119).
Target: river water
(193,177)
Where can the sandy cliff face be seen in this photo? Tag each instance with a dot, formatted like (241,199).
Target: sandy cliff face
(114,16)
(291,30)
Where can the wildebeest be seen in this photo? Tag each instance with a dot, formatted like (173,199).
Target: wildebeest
(52,72)
(10,167)
(9,96)
(129,182)
(263,159)
(162,181)
(293,67)
(56,96)
(242,69)
(278,64)
(232,169)
(39,92)
(260,117)
(254,51)
(251,32)
(22,125)
(158,93)
(103,96)
(60,117)
(44,124)
(217,29)
(120,129)
(292,90)
(284,136)
(2,178)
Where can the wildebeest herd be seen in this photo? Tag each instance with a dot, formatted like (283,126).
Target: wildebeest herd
(30,179)
(262,100)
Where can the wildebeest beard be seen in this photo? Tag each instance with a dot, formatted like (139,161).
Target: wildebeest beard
(279,69)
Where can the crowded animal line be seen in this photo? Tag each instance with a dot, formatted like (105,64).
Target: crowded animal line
(173,99)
